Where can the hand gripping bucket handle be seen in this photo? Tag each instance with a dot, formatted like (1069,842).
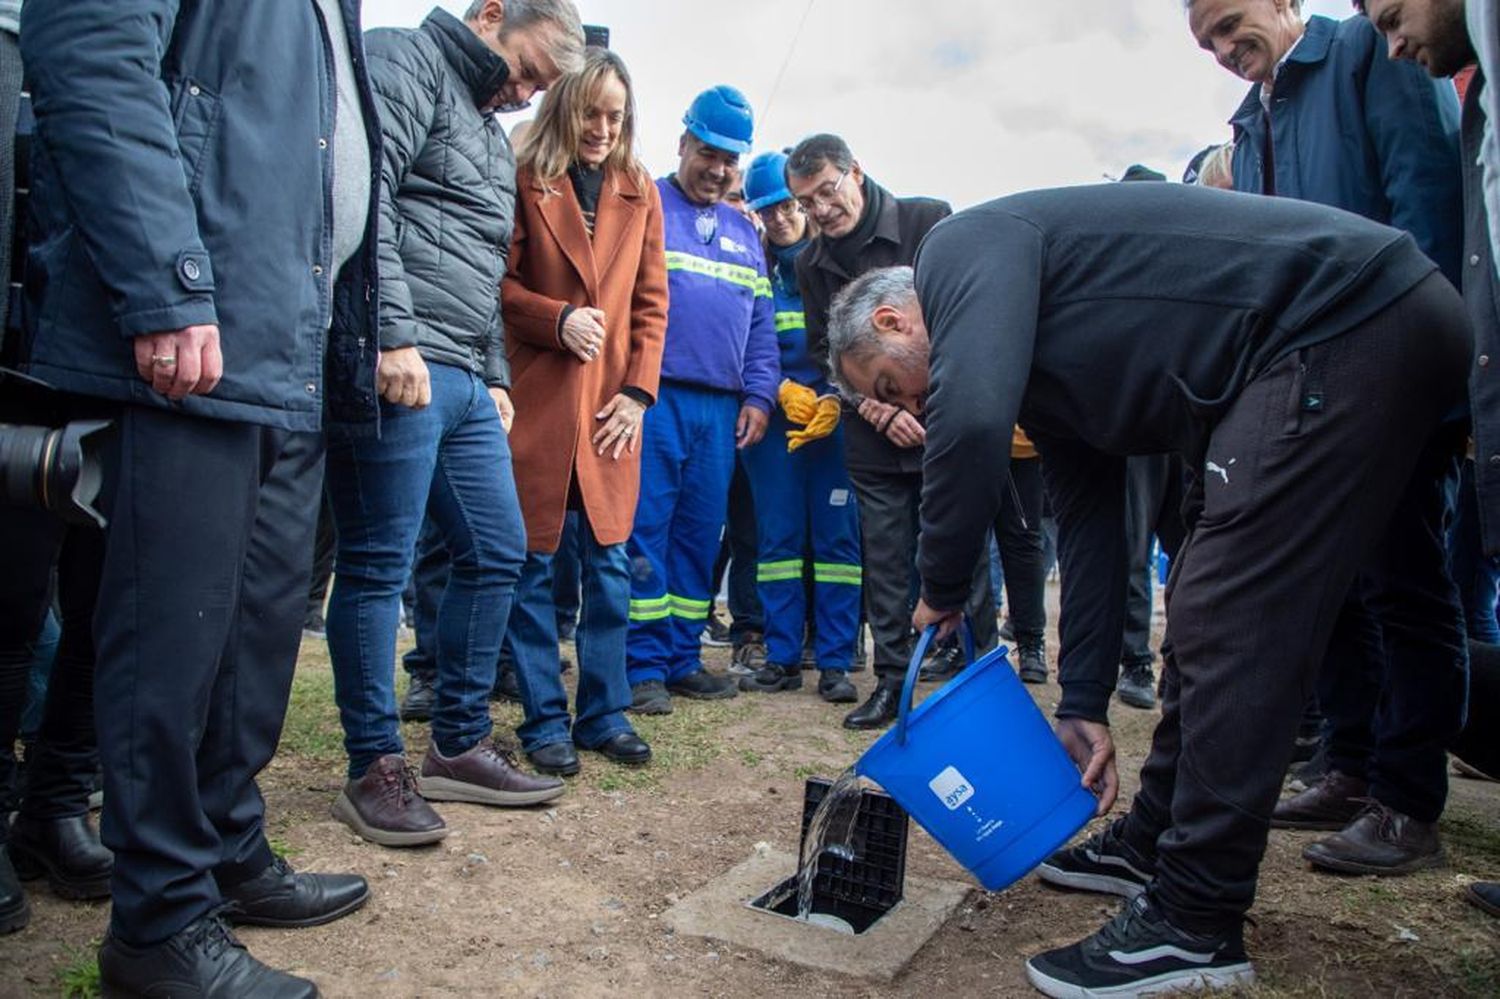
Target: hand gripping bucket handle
(909,687)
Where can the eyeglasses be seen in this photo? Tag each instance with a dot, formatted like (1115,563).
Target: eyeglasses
(786,210)
(823,196)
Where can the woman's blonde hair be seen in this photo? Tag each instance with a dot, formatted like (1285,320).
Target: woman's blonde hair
(551,146)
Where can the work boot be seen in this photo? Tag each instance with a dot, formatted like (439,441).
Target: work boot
(420,699)
(650,697)
(15,911)
(772,678)
(1328,804)
(66,851)
(1032,656)
(701,685)
(1381,841)
(835,688)
(749,656)
(1484,895)
(1137,686)
(385,807)
(880,709)
(624,747)
(279,896)
(203,960)
(485,774)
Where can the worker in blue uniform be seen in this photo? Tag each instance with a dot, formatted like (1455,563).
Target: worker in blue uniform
(719,375)
(804,504)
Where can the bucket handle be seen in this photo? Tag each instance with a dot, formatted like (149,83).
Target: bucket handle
(915,667)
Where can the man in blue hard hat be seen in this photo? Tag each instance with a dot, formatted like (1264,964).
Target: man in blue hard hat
(804,504)
(718,384)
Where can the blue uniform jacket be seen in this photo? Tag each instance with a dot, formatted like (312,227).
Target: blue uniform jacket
(182,174)
(1355,130)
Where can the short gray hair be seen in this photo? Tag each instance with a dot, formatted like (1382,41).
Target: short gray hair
(851,334)
(816,151)
(565,40)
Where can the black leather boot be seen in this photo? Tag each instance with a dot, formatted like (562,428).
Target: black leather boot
(881,708)
(67,851)
(279,896)
(15,911)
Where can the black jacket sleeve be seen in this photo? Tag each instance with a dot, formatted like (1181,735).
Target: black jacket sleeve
(979,284)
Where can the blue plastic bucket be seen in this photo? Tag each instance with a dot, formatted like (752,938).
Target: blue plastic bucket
(978,767)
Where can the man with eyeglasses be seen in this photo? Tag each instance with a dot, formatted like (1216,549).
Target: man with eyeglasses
(718,383)
(863,226)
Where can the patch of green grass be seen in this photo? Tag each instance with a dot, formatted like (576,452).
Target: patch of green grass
(1478,972)
(79,977)
(312,728)
(750,757)
(803,771)
(1478,841)
(281,847)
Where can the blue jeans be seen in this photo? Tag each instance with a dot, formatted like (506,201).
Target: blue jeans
(566,572)
(603,693)
(450,460)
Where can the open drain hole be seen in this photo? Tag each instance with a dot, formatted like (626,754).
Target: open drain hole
(850,894)
(836,914)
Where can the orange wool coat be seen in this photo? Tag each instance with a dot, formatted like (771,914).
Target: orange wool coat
(622,272)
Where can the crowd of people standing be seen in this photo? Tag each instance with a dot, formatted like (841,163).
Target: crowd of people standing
(547,393)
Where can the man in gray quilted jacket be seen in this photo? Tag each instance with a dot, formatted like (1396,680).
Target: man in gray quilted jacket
(447,202)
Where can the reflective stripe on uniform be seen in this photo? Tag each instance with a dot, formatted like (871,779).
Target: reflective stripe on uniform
(836,572)
(771,572)
(720,270)
(693,610)
(649,609)
(790,321)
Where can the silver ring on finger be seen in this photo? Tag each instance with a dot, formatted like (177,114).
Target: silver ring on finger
(627,432)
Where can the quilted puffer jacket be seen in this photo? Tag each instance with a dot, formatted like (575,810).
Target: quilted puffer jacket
(447,196)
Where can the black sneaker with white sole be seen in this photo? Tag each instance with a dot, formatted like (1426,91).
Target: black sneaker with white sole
(1139,953)
(1101,863)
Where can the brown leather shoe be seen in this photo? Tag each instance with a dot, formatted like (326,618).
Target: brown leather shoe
(1330,804)
(485,775)
(384,807)
(1380,841)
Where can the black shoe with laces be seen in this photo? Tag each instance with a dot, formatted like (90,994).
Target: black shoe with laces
(946,663)
(771,678)
(280,896)
(1139,953)
(701,685)
(203,960)
(1102,863)
(1137,686)
(1031,659)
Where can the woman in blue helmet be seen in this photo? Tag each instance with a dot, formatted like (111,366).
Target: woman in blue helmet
(804,506)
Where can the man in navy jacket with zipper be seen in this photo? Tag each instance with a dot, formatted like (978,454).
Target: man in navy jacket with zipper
(1330,119)
(203,271)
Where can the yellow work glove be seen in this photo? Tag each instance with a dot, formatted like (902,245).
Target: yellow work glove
(798,402)
(825,418)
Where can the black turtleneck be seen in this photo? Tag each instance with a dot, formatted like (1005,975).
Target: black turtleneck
(587,182)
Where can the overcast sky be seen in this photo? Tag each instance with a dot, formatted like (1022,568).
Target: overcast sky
(958,99)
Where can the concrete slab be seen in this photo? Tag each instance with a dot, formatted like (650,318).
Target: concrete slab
(720,911)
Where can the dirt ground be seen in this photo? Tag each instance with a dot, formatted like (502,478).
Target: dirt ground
(564,900)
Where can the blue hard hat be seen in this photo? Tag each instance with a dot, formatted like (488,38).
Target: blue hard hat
(721,117)
(765,181)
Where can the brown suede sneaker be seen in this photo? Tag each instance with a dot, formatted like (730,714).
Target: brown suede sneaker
(1380,841)
(1330,804)
(384,807)
(485,775)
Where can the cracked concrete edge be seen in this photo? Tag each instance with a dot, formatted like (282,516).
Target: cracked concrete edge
(720,911)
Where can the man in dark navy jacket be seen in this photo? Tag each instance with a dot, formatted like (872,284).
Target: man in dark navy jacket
(1330,119)
(203,268)
(1271,343)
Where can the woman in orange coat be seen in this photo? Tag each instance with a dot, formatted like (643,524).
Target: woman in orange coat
(585,309)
